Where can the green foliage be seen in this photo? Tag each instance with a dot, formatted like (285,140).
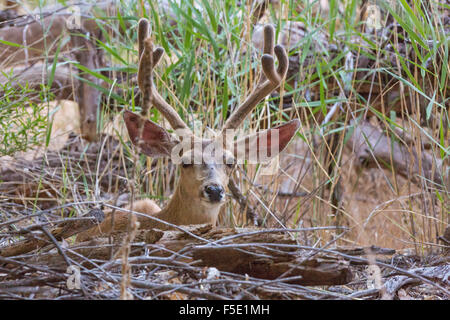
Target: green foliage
(22,122)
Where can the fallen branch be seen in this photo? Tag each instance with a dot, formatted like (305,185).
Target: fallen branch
(34,76)
(362,251)
(261,262)
(41,281)
(37,36)
(439,274)
(372,147)
(390,287)
(37,39)
(65,230)
(266,258)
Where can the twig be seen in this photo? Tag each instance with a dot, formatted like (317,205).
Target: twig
(55,242)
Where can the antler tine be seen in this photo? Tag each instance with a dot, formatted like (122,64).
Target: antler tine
(270,80)
(148,59)
(143,33)
(268,65)
(144,30)
(269,43)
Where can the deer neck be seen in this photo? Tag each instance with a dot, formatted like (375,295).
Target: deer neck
(184,209)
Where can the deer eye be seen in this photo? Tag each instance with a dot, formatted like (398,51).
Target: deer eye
(186,165)
(229,164)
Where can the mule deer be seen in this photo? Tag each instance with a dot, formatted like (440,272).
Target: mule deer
(205,171)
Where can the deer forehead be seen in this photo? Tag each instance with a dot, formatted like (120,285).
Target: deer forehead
(206,153)
(210,173)
(207,164)
(202,174)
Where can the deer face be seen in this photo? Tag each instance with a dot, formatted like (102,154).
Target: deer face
(205,172)
(204,169)
(206,164)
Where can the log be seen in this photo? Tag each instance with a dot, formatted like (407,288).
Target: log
(35,75)
(80,253)
(395,283)
(260,253)
(60,232)
(317,271)
(102,249)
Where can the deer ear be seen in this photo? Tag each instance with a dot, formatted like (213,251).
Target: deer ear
(153,140)
(264,145)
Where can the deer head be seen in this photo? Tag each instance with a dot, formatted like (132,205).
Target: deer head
(206,164)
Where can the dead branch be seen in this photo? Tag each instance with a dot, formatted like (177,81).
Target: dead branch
(88,94)
(263,259)
(31,282)
(256,254)
(180,288)
(65,230)
(372,148)
(390,287)
(262,263)
(37,36)
(6,16)
(440,274)
(38,39)
(361,251)
(34,76)
(244,204)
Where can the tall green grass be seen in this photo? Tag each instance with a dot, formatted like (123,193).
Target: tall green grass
(22,124)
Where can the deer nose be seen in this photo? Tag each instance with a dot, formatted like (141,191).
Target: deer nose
(214,193)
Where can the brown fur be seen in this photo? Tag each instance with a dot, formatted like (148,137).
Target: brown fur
(121,220)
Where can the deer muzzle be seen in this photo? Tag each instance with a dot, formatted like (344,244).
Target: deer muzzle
(214,192)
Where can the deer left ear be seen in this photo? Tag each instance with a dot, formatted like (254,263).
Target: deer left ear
(264,145)
(153,139)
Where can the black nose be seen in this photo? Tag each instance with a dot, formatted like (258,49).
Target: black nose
(214,193)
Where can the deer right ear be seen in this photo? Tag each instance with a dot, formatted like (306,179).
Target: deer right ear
(153,140)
